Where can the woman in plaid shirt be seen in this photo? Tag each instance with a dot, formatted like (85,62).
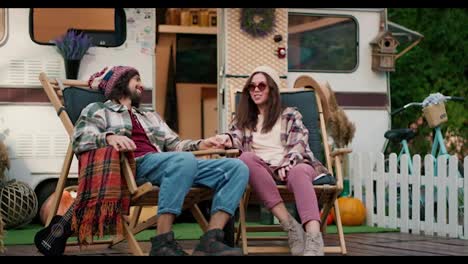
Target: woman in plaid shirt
(275,147)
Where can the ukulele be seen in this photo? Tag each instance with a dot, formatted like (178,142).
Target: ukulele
(51,240)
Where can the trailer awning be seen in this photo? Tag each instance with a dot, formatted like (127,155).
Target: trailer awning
(403,34)
(407,37)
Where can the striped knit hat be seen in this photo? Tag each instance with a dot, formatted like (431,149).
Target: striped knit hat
(107,78)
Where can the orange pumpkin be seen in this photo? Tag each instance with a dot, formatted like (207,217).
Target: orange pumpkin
(65,203)
(352,211)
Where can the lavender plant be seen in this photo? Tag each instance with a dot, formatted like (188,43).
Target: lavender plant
(73,45)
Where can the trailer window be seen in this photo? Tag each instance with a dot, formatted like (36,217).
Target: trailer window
(106,26)
(322,43)
(3,25)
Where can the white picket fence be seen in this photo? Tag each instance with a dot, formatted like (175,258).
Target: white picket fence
(421,203)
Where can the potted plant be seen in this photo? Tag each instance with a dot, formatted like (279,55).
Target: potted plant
(73,45)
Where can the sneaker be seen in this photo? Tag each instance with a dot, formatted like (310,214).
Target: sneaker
(166,245)
(295,236)
(313,244)
(211,244)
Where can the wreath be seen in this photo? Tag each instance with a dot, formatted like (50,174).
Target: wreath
(257,22)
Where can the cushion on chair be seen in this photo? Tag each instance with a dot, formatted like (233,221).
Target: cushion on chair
(76,99)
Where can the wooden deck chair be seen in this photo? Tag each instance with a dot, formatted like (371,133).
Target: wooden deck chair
(309,103)
(59,92)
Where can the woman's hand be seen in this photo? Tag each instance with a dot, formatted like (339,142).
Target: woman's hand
(225,140)
(283,172)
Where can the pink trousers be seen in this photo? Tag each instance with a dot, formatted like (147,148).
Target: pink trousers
(299,181)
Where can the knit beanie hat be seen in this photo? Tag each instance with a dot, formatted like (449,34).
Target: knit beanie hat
(270,71)
(107,78)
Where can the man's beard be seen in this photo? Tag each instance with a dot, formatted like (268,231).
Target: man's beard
(136,99)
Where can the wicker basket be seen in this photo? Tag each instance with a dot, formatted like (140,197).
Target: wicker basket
(18,204)
(435,114)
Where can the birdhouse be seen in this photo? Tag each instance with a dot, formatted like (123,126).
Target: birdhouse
(384,52)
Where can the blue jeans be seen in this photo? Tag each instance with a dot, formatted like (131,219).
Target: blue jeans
(176,172)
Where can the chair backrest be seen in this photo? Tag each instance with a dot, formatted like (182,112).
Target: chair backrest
(305,100)
(69,97)
(76,99)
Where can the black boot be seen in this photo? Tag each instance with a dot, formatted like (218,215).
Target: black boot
(165,245)
(211,244)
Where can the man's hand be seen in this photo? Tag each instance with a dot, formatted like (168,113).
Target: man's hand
(210,143)
(121,143)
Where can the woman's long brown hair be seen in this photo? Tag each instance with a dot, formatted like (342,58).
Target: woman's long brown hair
(247,110)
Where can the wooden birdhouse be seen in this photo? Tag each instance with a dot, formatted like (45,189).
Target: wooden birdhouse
(384,52)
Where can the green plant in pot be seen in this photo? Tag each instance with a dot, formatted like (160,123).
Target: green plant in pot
(73,45)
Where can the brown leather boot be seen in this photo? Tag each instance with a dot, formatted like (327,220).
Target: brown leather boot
(211,244)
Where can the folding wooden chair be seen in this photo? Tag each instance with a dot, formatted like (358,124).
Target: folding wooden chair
(309,103)
(76,96)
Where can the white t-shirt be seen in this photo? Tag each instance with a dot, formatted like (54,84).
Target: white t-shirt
(268,146)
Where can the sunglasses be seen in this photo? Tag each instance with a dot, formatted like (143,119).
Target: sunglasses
(261,86)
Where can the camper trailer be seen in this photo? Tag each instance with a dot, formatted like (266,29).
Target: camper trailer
(195,57)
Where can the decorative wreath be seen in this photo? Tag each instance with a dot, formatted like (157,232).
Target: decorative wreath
(259,28)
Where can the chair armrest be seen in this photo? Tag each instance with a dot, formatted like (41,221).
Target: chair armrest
(221,152)
(336,156)
(135,191)
(340,151)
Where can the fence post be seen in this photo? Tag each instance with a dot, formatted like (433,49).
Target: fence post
(452,185)
(429,195)
(404,201)
(465,199)
(358,177)
(392,187)
(416,192)
(380,192)
(369,187)
(441,196)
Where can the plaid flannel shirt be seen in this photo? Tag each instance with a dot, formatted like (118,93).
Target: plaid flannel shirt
(98,120)
(294,137)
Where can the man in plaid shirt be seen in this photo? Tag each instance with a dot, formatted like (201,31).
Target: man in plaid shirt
(162,158)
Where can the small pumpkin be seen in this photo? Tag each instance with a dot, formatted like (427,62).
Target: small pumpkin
(329,218)
(352,211)
(65,203)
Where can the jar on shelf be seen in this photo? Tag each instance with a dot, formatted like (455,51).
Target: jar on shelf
(212,18)
(195,17)
(204,18)
(173,16)
(185,18)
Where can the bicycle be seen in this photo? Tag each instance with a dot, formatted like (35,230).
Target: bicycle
(435,115)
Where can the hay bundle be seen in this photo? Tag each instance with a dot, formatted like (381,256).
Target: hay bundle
(4,161)
(4,164)
(2,234)
(339,127)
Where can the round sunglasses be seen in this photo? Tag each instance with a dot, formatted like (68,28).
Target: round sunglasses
(261,86)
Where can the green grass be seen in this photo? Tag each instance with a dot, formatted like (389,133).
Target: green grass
(183,231)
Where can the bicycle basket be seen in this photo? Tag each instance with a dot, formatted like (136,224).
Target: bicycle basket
(435,114)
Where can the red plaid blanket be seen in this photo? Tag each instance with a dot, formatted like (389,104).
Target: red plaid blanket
(103,196)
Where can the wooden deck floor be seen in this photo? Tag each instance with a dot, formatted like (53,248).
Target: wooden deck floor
(375,244)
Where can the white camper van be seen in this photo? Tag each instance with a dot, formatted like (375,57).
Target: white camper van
(212,54)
